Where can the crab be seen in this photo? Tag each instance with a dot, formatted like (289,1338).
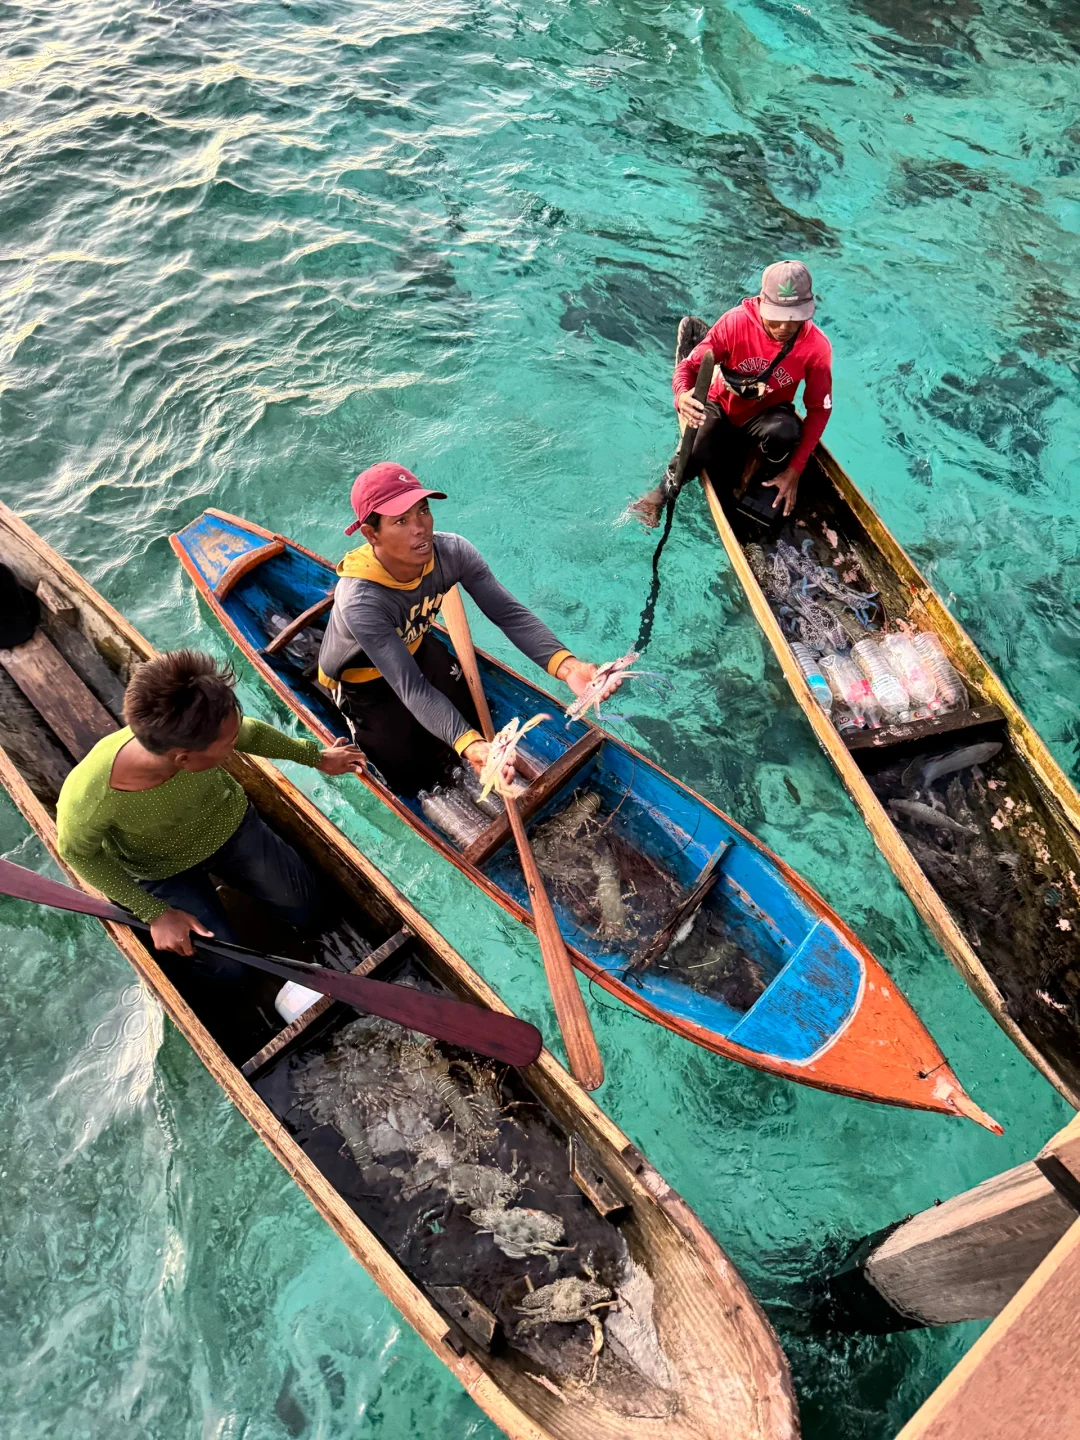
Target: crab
(566,1301)
(520,1232)
(484,1186)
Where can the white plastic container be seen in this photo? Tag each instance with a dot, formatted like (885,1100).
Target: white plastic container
(292,1000)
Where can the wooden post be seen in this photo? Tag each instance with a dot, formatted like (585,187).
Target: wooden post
(964,1259)
(1019,1378)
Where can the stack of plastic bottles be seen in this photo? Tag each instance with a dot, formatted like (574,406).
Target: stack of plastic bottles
(886,679)
(457,809)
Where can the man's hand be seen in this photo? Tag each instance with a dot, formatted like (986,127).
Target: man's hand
(341,759)
(692,411)
(477,753)
(786,484)
(172,930)
(579,675)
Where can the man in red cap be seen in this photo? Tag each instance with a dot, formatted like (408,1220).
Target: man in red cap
(402,692)
(764,348)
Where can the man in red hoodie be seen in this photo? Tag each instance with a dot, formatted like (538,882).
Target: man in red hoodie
(763,348)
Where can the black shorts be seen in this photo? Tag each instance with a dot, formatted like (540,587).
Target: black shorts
(721,447)
(407,754)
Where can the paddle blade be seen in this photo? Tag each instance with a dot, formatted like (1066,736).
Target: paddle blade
(503,1037)
(22,884)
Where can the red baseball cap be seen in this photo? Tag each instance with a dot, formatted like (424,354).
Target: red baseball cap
(388,489)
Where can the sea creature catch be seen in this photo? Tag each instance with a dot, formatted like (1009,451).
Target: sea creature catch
(601,685)
(501,753)
(565,1302)
(939,765)
(926,815)
(520,1232)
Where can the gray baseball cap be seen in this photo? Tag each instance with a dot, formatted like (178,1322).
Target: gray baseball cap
(787,292)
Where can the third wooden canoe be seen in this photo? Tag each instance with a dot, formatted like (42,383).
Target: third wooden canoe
(1019,952)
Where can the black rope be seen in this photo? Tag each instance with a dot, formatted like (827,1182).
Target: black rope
(648,615)
(671,485)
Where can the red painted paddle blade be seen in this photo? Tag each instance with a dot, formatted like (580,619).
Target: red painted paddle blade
(22,884)
(503,1037)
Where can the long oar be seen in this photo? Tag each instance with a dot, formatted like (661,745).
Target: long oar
(682,459)
(472,1027)
(581,1049)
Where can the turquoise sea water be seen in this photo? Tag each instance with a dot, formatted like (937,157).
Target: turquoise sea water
(248,247)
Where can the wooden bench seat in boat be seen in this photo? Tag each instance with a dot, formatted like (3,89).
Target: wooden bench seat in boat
(58,694)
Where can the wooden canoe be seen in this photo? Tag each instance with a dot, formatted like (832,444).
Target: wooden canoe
(828,1014)
(1020,958)
(712,1364)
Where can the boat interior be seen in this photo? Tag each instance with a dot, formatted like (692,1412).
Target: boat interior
(485,1191)
(652,885)
(965,803)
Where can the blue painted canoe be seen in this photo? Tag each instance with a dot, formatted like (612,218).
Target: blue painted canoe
(821,1010)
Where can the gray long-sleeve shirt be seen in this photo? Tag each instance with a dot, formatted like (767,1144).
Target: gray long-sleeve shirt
(377,623)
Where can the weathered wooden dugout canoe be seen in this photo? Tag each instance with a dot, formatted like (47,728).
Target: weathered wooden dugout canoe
(1019,953)
(692,1354)
(810,1002)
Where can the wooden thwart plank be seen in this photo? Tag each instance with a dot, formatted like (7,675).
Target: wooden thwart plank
(244,564)
(55,603)
(474,1317)
(57,693)
(956,720)
(284,1038)
(593,1184)
(303,620)
(536,796)
(694,897)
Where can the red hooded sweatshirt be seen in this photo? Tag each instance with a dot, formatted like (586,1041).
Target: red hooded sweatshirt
(739,342)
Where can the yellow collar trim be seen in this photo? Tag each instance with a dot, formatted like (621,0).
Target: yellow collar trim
(361,564)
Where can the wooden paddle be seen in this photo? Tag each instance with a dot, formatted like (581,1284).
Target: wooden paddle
(581,1048)
(487,1032)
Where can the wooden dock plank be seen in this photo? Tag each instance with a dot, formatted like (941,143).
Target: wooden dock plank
(1019,1378)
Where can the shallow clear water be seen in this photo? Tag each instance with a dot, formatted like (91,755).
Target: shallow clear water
(249,247)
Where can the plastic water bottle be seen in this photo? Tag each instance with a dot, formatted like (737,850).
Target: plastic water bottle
(905,660)
(819,686)
(441,811)
(466,779)
(886,684)
(851,688)
(950,687)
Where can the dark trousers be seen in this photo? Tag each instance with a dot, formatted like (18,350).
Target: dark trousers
(721,447)
(406,753)
(255,861)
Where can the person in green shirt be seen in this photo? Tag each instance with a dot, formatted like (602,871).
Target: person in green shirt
(149,814)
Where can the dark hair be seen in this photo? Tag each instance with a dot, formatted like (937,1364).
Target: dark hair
(373,520)
(179,701)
